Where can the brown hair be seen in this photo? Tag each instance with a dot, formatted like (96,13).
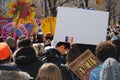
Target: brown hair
(49,71)
(105,50)
(74,52)
(49,36)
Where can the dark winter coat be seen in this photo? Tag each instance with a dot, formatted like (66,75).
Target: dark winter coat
(54,56)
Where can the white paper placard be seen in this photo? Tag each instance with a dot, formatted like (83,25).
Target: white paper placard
(80,25)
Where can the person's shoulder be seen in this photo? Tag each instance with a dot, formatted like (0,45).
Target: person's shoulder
(94,74)
(96,70)
(14,75)
(66,72)
(9,67)
(47,48)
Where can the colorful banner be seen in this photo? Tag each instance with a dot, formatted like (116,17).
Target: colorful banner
(22,8)
(29,27)
(48,25)
(3,21)
(82,65)
(9,28)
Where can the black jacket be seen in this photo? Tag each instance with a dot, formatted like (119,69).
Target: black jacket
(30,66)
(54,56)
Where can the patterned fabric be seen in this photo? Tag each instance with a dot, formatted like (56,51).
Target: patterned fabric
(110,70)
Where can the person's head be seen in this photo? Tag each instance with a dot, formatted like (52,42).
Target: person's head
(105,50)
(1,39)
(114,38)
(24,56)
(22,37)
(5,53)
(39,47)
(48,39)
(10,34)
(10,41)
(117,44)
(40,37)
(24,42)
(49,71)
(63,47)
(73,53)
(49,36)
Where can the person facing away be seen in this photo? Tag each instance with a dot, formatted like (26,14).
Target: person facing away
(47,40)
(39,47)
(1,39)
(24,42)
(117,44)
(5,55)
(49,71)
(110,70)
(11,42)
(104,50)
(8,71)
(26,60)
(73,53)
(55,55)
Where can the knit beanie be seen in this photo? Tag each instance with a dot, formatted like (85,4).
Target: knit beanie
(5,51)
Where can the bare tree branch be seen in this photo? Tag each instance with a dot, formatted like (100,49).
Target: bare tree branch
(64,2)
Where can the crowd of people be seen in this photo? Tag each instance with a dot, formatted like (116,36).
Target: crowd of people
(35,58)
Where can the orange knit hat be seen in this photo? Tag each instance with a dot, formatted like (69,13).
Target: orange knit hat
(4,51)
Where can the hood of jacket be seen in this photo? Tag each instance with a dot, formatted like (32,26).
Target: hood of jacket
(25,56)
(14,75)
(110,70)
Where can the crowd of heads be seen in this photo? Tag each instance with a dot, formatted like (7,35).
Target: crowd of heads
(26,52)
(26,57)
(113,32)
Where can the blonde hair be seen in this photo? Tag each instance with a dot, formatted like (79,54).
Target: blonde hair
(39,47)
(49,71)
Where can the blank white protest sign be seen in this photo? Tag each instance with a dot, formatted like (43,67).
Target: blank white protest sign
(85,26)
